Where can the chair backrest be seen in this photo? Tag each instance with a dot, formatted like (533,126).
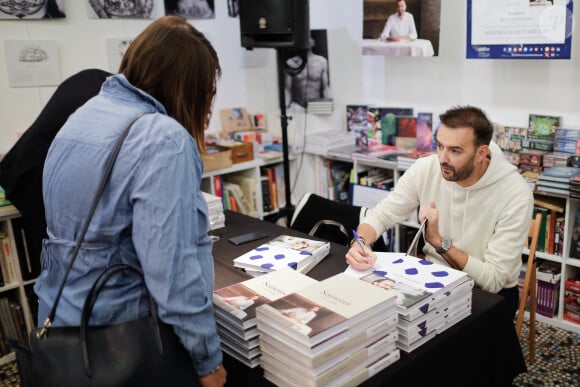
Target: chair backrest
(329,220)
(529,289)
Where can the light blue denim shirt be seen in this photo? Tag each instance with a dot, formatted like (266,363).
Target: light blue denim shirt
(151,215)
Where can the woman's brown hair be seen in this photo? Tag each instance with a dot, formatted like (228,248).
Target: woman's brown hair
(174,62)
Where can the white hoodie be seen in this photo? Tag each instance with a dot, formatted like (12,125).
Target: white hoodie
(489,220)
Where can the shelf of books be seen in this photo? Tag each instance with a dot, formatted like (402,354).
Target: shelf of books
(255,188)
(16,317)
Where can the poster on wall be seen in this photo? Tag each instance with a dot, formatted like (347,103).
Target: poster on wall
(24,10)
(519,29)
(32,63)
(401,27)
(116,48)
(307,80)
(191,9)
(128,9)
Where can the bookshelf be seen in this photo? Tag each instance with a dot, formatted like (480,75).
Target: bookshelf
(254,170)
(19,319)
(570,267)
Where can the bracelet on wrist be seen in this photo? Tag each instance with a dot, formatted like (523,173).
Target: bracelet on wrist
(361,239)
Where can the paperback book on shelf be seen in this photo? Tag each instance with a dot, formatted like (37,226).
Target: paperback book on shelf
(284,251)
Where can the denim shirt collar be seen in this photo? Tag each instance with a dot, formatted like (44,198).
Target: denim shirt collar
(118,87)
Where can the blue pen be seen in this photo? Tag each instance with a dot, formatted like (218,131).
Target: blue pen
(356,238)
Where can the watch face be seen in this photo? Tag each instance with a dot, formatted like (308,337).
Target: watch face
(446,244)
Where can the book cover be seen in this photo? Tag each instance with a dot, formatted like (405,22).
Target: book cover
(559,173)
(248,187)
(417,279)
(329,308)
(425,132)
(407,126)
(575,239)
(284,251)
(542,126)
(241,299)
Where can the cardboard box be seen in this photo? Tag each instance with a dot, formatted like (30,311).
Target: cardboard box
(217,157)
(235,120)
(242,151)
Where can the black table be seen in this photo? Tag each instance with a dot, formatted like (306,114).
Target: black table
(481,350)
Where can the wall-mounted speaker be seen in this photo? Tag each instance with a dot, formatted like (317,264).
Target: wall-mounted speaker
(275,23)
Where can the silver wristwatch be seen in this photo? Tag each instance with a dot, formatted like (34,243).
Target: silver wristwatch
(445,246)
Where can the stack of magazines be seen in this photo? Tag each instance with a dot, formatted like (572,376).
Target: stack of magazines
(235,310)
(284,251)
(339,331)
(215,209)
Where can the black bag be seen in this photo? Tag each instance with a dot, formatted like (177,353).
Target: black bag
(142,352)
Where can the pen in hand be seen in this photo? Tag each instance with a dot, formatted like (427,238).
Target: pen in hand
(357,239)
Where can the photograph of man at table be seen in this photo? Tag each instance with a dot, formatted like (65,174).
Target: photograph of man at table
(401,27)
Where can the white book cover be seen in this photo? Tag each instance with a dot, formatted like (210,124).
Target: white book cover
(241,299)
(284,251)
(414,280)
(329,308)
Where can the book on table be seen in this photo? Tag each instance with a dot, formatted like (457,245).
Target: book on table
(351,372)
(240,300)
(427,293)
(235,310)
(284,251)
(328,309)
(321,356)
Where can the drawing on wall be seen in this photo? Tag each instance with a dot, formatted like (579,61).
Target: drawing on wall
(32,63)
(31,9)
(190,9)
(401,27)
(233,8)
(126,9)
(116,48)
(312,81)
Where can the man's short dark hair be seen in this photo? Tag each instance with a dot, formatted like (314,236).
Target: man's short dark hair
(469,117)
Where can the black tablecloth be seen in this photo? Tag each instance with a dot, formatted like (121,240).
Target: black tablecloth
(481,350)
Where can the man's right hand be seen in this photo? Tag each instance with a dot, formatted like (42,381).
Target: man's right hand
(360,258)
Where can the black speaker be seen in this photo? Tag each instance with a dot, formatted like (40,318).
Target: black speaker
(275,23)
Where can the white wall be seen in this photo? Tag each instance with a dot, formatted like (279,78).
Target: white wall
(507,89)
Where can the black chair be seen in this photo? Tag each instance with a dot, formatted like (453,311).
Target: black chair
(329,220)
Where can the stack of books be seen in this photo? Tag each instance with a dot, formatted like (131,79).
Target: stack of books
(235,310)
(321,142)
(405,160)
(380,151)
(215,209)
(284,251)
(556,179)
(430,297)
(320,106)
(575,187)
(339,331)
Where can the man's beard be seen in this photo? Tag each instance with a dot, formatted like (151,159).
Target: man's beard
(460,174)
